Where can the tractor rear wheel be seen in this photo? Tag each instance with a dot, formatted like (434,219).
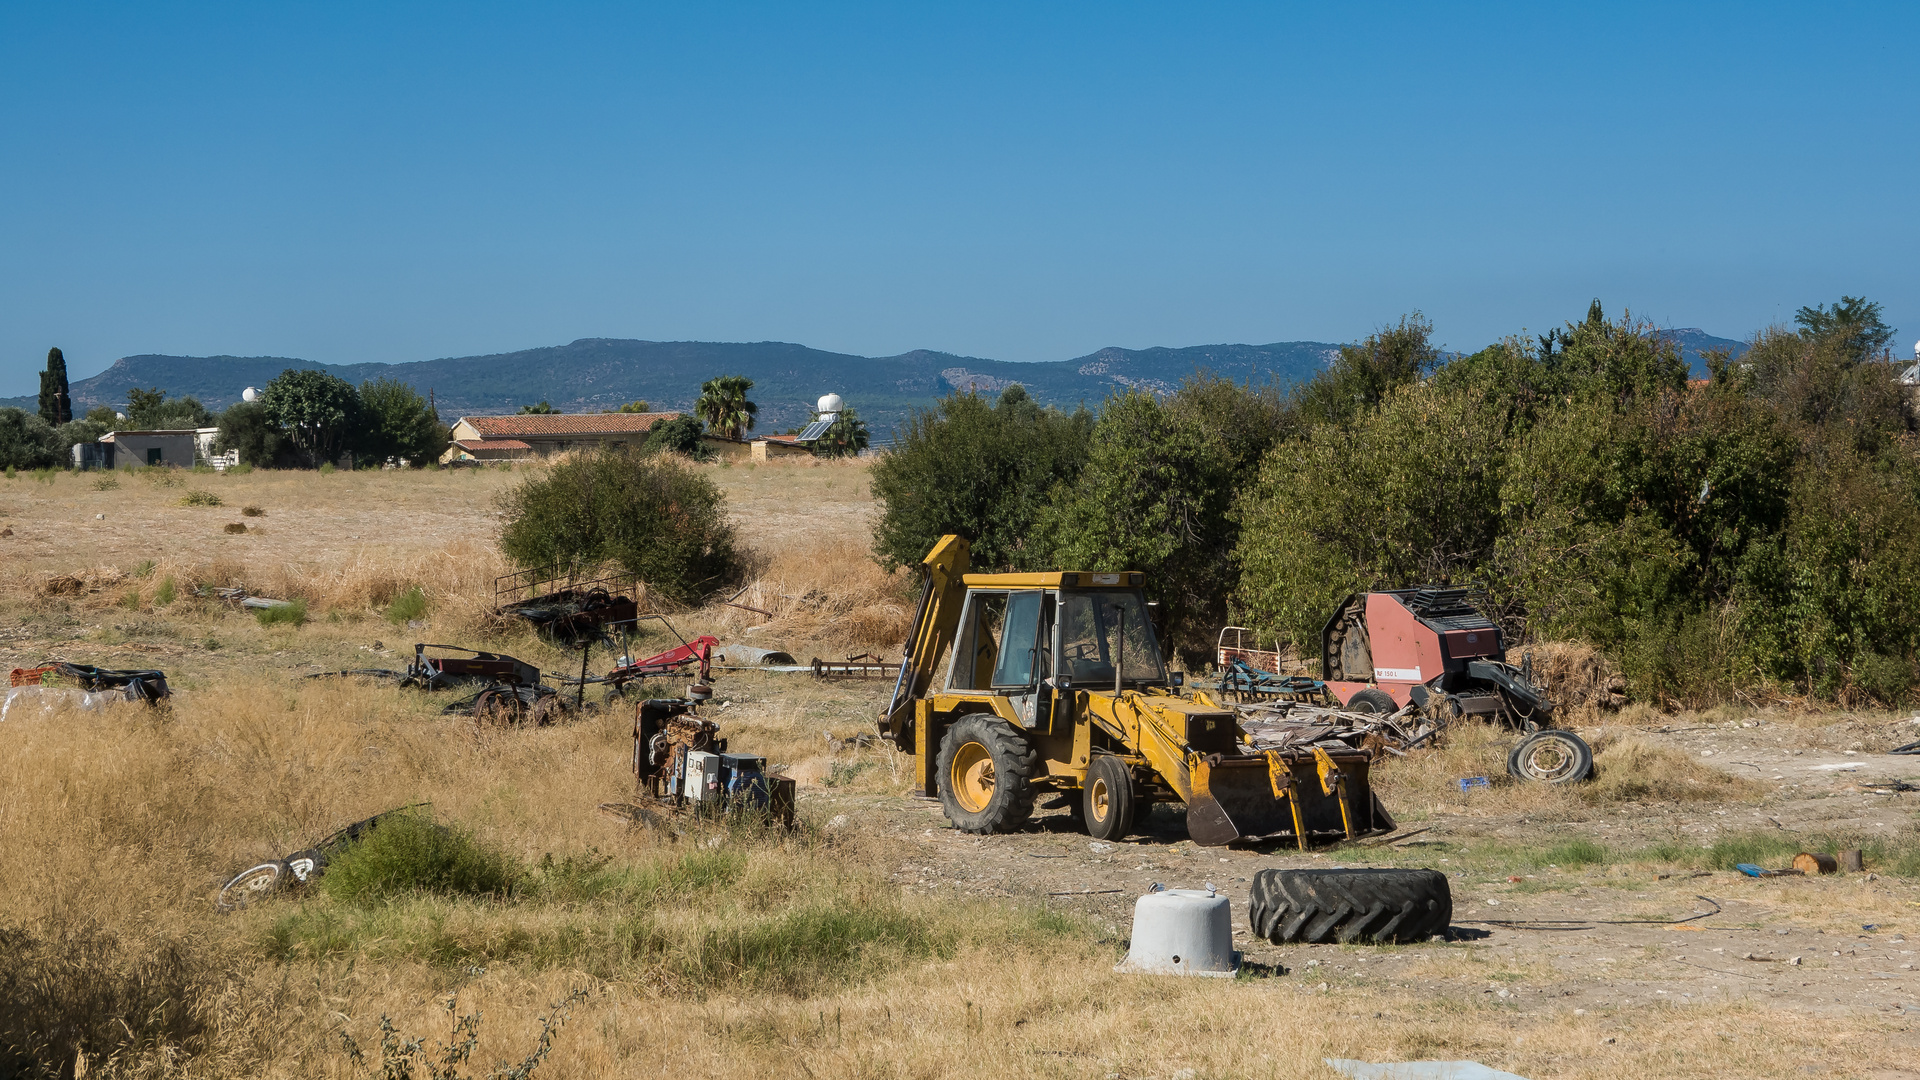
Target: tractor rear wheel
(1319,907)
(1371,700)
(1551,756)
(986,771)
(1108,798)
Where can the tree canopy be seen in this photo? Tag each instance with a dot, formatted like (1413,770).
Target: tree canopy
(724,406)
(318,412)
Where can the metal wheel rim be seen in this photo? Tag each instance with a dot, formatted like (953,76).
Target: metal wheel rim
(1101,800)
(1559,758)
(250,886)
(972,778)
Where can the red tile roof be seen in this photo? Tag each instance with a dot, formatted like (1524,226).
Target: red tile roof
(536,424)
(781,438)
(491,444)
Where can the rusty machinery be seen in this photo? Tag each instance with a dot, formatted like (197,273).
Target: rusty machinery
(1430,651)
(681,762)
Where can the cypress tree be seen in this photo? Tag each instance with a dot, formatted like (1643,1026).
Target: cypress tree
(56,405)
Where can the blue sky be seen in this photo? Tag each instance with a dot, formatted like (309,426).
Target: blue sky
(388,182)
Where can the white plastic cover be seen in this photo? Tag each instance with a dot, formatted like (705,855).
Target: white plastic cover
(1182,932)
(43,700)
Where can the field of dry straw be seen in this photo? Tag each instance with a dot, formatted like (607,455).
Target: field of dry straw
(701,950)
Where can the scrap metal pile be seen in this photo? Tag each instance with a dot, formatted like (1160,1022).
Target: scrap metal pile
(566,606)
(1399,667)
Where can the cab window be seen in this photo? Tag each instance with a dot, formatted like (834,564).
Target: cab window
(1024,647)
(976,648)
(1100,629)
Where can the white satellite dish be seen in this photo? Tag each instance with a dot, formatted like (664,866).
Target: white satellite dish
(1916,350)
(250,394)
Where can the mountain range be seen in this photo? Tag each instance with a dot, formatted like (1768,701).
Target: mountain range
(593,374)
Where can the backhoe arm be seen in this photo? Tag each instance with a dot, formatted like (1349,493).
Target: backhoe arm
(941,595)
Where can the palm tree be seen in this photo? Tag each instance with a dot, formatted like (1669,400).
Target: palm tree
(847,436)
(724,406)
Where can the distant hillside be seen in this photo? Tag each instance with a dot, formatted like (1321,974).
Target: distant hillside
(1695,344)
(592,374)
(603,373)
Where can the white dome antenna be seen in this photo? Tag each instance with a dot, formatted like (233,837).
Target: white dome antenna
(830,406)
(250,394)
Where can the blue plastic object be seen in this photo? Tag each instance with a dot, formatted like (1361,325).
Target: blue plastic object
(1749,869)
(1468,783)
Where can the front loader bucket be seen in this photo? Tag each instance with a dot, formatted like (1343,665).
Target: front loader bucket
(1284,795)
(1233,799)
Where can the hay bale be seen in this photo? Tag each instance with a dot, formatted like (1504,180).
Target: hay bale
(1578,677)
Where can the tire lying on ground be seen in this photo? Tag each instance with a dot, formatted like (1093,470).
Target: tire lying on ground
(1551,757)
(1318,907)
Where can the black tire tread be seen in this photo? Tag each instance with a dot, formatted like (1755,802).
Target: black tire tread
(1319,907)
(1003,814)
(1372,700)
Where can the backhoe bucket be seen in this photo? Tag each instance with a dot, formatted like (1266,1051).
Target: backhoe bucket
(1307,797)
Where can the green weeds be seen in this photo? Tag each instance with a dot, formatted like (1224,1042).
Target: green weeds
(291,613)
(409,854)
(408,606)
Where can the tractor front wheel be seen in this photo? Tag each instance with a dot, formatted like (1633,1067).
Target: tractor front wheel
(1108,799)
(986,771)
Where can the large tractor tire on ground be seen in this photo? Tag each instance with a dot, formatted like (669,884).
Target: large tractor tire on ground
(1552,756)
(1317,907)
(986,771)
(1108,802)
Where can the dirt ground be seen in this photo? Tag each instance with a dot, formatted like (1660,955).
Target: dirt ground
(1597,967)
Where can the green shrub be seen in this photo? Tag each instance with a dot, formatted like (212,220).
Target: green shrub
(292,613)
(144,568)
(166,594)
(1156,495)
(326,468)
(408,606)
(656,516)
(199,498)
(680,435)
(410,853)
(105,483)
(27,441)
(979,470)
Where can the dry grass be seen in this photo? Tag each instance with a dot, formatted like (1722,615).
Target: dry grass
(718,951)
(824,592)
(1626,770)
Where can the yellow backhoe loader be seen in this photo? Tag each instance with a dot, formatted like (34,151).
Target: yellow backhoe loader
(1055,683)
